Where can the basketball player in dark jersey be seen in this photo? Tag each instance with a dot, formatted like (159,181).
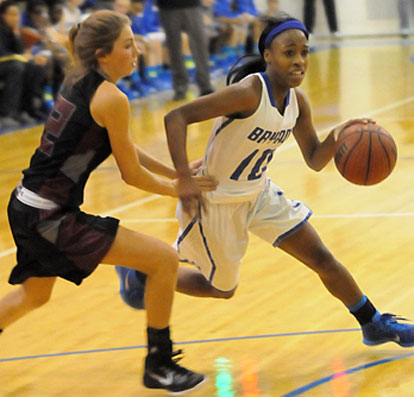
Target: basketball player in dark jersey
(88,122)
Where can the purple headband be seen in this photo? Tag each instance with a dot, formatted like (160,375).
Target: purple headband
(292,24)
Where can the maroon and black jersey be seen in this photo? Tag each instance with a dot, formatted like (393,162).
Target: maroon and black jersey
(72,146)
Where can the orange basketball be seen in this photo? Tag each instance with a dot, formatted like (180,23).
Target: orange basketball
(29,36)
(365,153)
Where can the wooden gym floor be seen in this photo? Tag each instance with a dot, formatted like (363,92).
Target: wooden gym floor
(282,334)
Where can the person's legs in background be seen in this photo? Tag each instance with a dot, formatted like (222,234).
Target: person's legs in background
(35,80)
(171,21)
(193,24)
(11,76)
(404,13)
(309,14)
(330,12)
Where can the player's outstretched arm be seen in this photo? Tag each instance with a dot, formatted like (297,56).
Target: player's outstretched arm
(110,108)
(315,152)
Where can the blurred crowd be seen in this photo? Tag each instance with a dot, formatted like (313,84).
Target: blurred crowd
(181,42)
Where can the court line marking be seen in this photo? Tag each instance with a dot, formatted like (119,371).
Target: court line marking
(190,342)
(295,392)
(371,113)
(337,375)
(350,42)
(303,388)
(363,215)
(125,207)
(114,211)
(11,251)
(287,146)
(7,252)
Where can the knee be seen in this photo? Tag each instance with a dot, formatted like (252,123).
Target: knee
(169,261)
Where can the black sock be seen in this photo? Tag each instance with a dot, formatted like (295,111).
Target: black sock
(159,341)
(365,312)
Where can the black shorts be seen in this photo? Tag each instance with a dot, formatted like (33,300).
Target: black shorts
(64,243)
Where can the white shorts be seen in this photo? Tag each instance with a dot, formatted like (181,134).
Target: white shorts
(217,243)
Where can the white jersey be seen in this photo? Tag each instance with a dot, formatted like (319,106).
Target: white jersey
(239,150)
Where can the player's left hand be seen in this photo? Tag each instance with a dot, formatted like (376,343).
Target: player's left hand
(190,195)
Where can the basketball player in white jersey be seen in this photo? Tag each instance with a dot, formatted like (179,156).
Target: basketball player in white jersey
(257,113)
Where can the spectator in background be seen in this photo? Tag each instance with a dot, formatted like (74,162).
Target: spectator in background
(178,16)
(156,32)
(330,12)
(217,32)
(146,28)
(55,10)
(53,23)
(152,19)
(57,43)
(36,18)
(133,86)
(72,15)
(23,74)
(248,9)
(121,6)
(251,14)
(88,6)
(227,12)
(405,9)
(272,10)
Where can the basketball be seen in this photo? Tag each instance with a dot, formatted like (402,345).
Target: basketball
(29,37)
(365,153)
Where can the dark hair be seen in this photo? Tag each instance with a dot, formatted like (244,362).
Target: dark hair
(94,36)
(33,5)
(5,5)
(51,3)
(254,63)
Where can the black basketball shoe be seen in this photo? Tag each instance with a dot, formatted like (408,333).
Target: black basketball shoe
(163,372)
